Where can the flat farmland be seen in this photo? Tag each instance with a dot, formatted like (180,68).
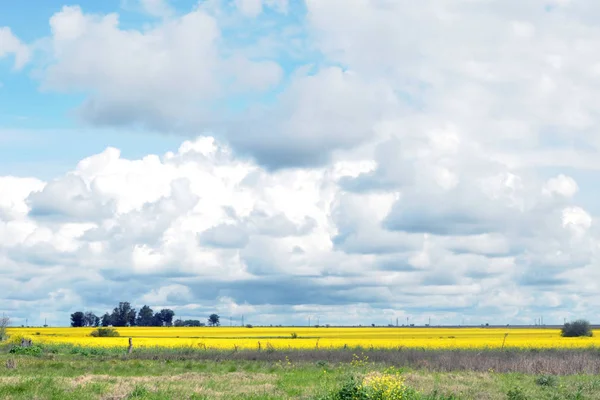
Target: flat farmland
(281,338)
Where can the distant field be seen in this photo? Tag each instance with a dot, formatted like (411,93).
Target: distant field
(310,338)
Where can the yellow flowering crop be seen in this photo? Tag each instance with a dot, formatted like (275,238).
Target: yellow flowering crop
(384,386)
(231,338)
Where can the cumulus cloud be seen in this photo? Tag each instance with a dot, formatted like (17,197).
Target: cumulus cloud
(10,44)
(561,185)
(198,225)
(377,159)
(171,70)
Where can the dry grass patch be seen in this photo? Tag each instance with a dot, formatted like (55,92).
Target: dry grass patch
(9,380)
(470,385)
(211,385)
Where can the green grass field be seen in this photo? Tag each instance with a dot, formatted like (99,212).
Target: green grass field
(73,373)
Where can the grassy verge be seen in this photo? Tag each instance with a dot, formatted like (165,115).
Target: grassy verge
(68,372)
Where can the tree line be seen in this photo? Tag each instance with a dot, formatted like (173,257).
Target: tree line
(125,315)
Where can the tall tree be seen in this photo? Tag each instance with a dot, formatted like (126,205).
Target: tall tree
(166,316)
(157,319)
(123,315)
(78,319)
(90,319)
(145,316)
(106,320)
(213,320)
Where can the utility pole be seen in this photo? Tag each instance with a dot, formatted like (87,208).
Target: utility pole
(26,324)
(429,321)
(396,322)
(242,319)
(406,321)
(309,321)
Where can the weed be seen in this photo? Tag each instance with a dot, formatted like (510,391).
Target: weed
(28,351)
(546,380)
(516,393)
(139,392)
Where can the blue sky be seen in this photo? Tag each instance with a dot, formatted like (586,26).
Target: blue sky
(287,159)
(42,136)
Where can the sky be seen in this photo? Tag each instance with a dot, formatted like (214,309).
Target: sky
(351,161)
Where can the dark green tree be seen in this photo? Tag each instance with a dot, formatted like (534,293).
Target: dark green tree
(213,320)
(123,315)
(578,328)
(157,320)
(78,319)
(145,317)
(91,319)
(106,321)
(166,316)
(163,318)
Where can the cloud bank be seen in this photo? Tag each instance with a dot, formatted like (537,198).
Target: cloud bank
(360,161)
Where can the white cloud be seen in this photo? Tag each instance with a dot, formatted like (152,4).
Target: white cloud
(10,44)
(561,185)
(166,294)
(159,8)
(250,8)
(169,69)
(167,239)
(576,217)
(395,163)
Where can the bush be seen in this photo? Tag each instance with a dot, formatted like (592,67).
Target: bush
(578,328)
(104,332)
(546,380)
(28,351)
(349,391)
(376,386)
(294,335)
(516,393)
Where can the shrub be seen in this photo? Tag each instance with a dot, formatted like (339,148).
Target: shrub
(294,335)
(248,326)
(516,393)
(28,351)
(351,390)
(546,380)
(104,332)
(578,328)
(376,386)
(384,387)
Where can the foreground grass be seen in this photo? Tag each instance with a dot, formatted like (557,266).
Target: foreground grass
(61,374)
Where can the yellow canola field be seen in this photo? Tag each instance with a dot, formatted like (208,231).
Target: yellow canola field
(310,338)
